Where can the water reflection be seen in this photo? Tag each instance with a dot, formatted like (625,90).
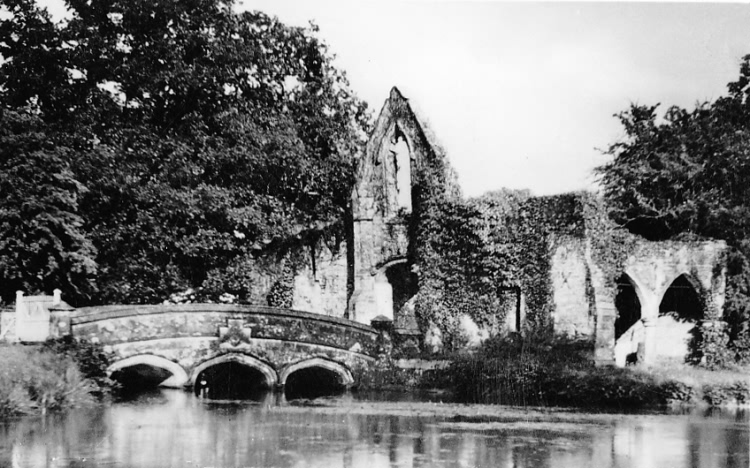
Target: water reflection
(173,428)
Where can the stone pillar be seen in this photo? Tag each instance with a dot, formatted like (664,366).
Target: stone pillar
(20,306)
(649,340)
(21,311)
(362,305)
(649,317)
(8,323)
(604,347)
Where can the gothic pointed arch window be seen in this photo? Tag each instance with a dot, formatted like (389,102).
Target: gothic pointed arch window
(400,165)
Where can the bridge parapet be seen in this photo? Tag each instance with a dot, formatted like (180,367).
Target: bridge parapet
(234,324)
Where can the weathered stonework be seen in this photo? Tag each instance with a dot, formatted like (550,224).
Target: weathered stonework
(373,276)
(124,324)
(584,307)
(382,221)
(323,288)
(574,314)
(8,326)
(189,336)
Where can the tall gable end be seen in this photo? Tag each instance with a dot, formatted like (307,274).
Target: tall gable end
(401,170)
(402,165)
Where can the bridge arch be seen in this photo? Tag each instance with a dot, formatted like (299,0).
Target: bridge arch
(179,377)
(268,372)
(342,372)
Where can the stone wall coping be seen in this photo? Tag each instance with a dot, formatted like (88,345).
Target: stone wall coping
(98,313)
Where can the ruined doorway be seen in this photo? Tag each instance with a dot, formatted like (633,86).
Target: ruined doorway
(628,306)
(403,286)
(629,332)
(395,285)
(678,325)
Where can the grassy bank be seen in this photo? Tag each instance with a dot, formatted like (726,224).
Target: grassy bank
(561,373)
(56,375)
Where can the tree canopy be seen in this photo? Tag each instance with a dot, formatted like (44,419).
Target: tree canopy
(195,139)
(687,173)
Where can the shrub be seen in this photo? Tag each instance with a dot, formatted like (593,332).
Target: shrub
(741,391)
(716,395)
(677,391)
(727,393)
(35,379)
(90,358)
(550,371)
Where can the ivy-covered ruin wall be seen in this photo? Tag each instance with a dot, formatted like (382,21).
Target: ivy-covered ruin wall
(447,272)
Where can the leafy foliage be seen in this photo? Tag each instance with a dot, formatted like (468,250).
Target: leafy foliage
(41,237)
(90,359)
(459,273)
(202,135)
(37,381)
(537,370)
(687,174)
(472,250)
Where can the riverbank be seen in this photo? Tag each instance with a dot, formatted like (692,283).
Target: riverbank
(57,375)
(561,374)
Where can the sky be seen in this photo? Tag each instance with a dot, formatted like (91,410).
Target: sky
(521,94)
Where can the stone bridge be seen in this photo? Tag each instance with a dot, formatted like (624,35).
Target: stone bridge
(186,340)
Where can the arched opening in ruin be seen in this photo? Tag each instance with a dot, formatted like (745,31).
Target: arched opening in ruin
(628,306)
(630,335)
(680,313)
(147,371)
(315,378)
(233,377)
(403,284)
(395,285)
(402,167)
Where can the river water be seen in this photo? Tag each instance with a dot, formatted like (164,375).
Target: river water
(171,428)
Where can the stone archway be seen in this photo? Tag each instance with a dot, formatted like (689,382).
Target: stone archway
(629,333)
(239,373)
(315,377)
(681,310)
(627,305)
(138,364)
(342,372)
(395,285)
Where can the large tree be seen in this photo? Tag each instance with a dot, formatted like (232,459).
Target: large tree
(687,173)
(204,137)
(42,244)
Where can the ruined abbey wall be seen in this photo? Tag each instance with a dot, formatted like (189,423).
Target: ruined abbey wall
(559,281)
(403,167)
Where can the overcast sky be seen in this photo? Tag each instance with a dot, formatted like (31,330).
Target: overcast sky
(522,95)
